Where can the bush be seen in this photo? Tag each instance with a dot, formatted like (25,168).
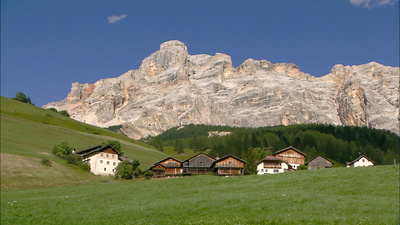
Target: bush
(61,149)
(64,113)
(45,162)
(22,98)
(115,144)
(148,174)
(137,172)
(124,170)
(302,167)
(74,159)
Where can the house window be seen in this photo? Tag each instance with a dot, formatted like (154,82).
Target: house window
(108,162)
(101,161)
(101,154)
(114,163)
(112,156)
(262,170)
(363,160)
(276,171)
(105,169)
(107,155)
(113,170)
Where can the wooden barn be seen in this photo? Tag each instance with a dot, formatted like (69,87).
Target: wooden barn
(158,170)
(319,162)
(167,167)
(229,165)
(198,164)
(291,155)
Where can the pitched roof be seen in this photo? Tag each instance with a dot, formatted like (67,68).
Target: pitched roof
(95,149)
(227,156)
(361,156)
(316,158)
(271,158)
(288,148)
(201,153)
(155,165)
(166,159)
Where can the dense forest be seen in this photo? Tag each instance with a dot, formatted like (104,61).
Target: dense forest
(339,143)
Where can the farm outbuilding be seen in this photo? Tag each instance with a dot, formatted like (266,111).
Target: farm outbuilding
(198,164)
(319,162)
(167,167)
(229,165)
(291,155)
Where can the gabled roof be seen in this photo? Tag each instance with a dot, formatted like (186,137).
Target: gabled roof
(159,162)
(288,148)
(201,153)
(155,165)
(271,158)
(227,156)
(96,149)
(361,156)
(316,158)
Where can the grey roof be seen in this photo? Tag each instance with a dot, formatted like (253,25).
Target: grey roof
(95,149)
(317,157)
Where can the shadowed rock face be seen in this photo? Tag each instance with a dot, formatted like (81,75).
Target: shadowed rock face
(173,88)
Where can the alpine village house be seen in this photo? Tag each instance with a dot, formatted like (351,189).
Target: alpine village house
(102,160)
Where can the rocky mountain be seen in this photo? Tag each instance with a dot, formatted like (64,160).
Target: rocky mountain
(172,88)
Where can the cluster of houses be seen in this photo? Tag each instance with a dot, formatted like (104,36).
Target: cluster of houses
(103,160)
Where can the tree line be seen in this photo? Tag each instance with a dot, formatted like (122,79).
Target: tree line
(339,143)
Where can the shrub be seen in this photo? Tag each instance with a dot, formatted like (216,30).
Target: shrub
(148,174)
(61,149)
(74,159)
(302,167)
(64,113)
(137,172)
(45,162)
(115,144)
(124,170)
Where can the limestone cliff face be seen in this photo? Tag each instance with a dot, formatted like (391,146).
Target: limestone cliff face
(173,88)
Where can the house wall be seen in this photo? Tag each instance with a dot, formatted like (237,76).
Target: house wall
(103,163)
(292,157)
(265,168)
(363,162)
(230,162)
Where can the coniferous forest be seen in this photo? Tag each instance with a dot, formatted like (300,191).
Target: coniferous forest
(339,143)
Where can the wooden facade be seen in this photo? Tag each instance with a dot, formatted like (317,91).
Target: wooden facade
(291,155)
(167,167)
(229,165)
(198,164)
(319,162)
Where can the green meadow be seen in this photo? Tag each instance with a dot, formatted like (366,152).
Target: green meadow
(28,134)
(32,193)
(331,196)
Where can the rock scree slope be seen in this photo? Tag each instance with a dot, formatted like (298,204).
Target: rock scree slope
(172,88)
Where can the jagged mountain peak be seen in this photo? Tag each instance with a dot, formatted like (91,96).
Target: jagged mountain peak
(173,88)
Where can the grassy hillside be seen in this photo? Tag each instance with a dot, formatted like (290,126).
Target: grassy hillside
(366,195)
(28,134)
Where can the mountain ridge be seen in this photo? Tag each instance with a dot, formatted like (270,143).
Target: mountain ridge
(172,88)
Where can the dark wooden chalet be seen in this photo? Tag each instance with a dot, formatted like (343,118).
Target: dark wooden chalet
(198,164)
(319,162)
(167,167)
(229,165)
(291,155)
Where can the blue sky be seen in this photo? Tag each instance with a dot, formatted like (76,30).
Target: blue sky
(46,45)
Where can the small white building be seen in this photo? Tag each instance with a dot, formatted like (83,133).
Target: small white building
(360,162)
(272,165)
(102,160)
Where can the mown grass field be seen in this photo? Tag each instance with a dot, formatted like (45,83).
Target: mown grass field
(28,134)
(331,196)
